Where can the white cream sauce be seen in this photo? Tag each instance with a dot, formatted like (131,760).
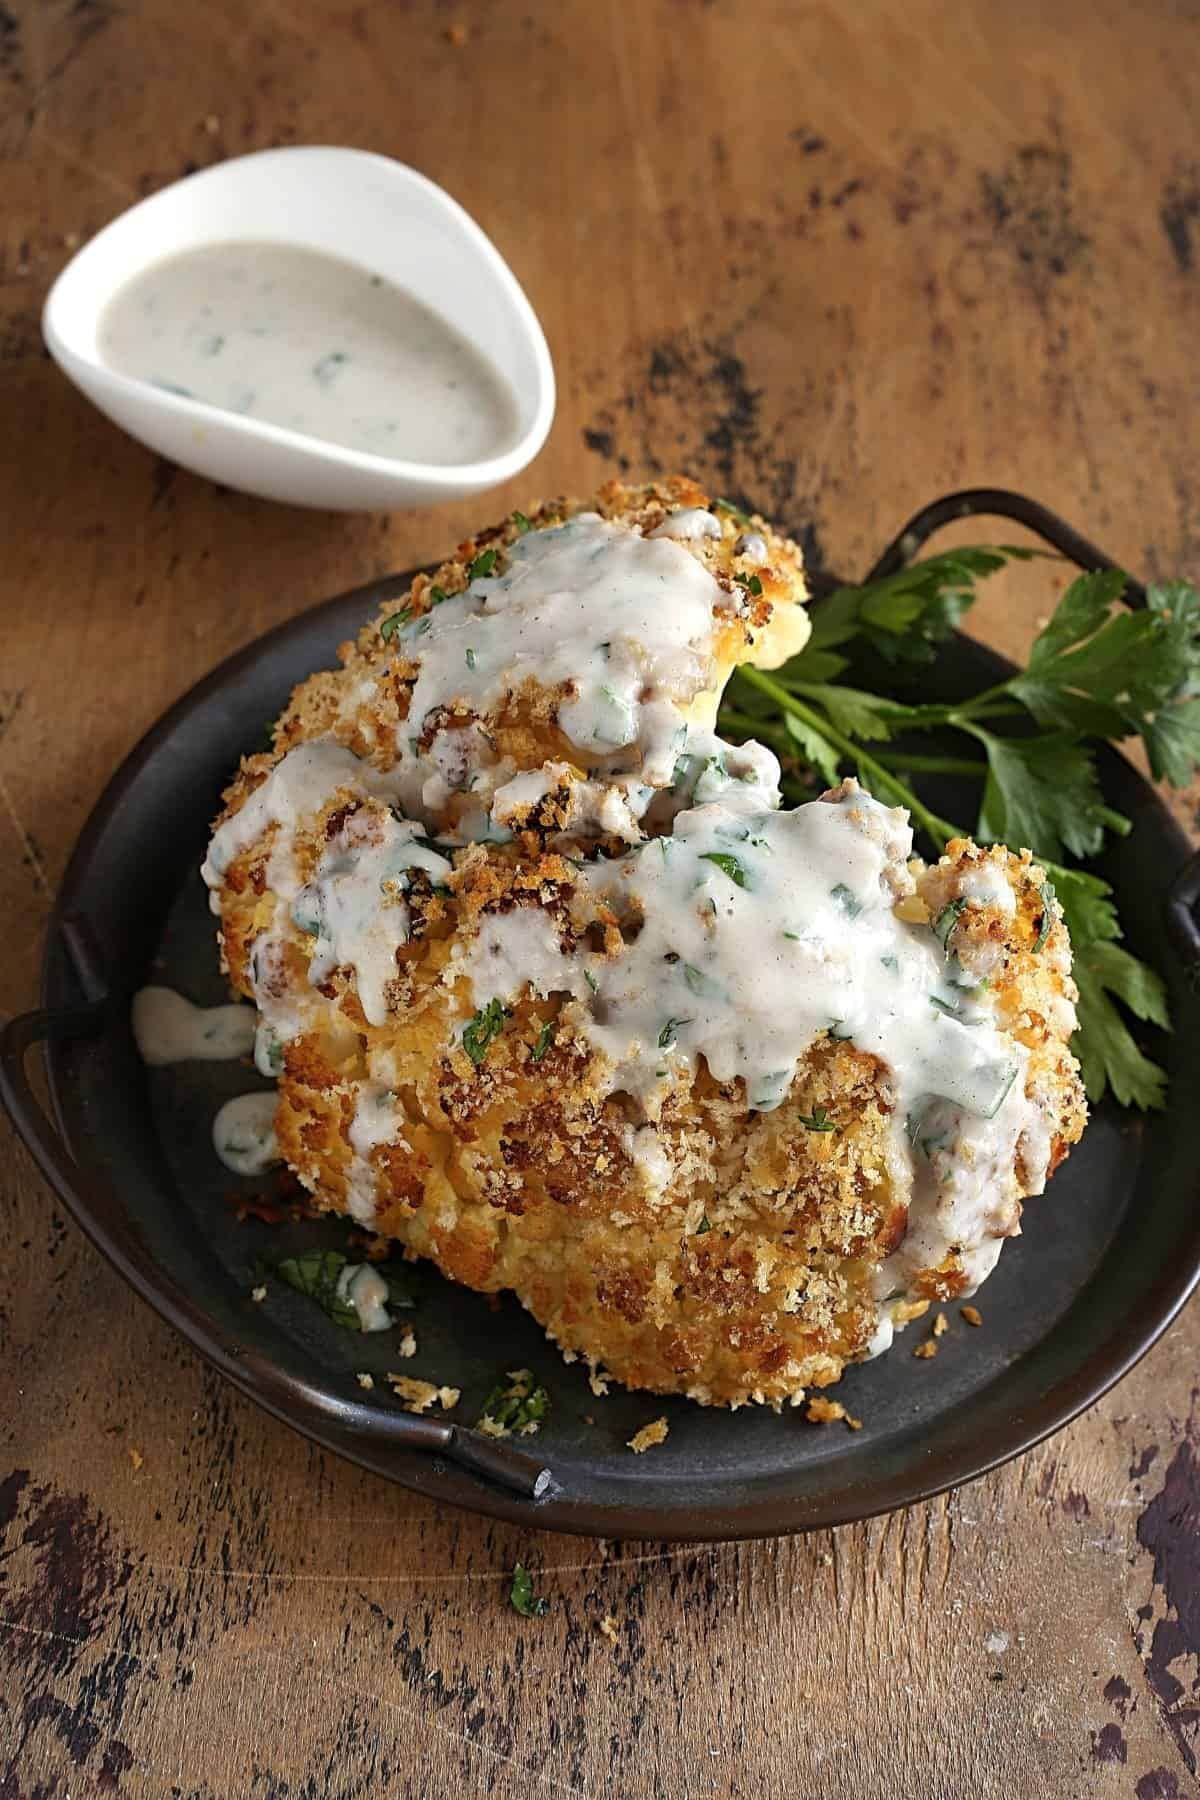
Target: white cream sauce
(297,338)
(378,1119)
(243,1134)
(690,525)
(168,1029)
(366,1291)
(622,624)
(759,932)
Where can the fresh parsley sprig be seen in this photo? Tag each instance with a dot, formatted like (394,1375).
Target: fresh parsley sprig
(1096,673)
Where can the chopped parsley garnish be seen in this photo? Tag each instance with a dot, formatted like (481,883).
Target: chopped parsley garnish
(393,622)
(522,1597)
(470,659)
(846,899)
(700,983)
(521,522)
(735,512)
(703,1226)
(1047,924)
(515,1405)
(794,935)
(949,1007)
(1097,673)
(947,919)
(591,981)
(728,865)
(545,1038)
(751,583)
(670,1032)
(838,1032)
(487,1024)
(482,565)
(818,1120)
(437,595)
(890,963)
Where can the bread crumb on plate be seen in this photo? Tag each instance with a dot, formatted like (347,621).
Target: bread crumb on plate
(418,1396)
(649,1435)
(971,1314)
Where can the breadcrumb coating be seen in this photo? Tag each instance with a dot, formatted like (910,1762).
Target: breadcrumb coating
(734,1254)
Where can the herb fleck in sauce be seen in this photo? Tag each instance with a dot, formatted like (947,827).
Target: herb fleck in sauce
(296,338)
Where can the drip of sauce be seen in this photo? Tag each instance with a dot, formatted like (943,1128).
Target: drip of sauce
(168,1029)
(366,1291)
(297,338)
(244,1134)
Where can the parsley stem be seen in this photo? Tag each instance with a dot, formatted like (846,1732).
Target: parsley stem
(873,772)
(931,765)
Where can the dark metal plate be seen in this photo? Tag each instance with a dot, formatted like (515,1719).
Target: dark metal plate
(1107,1257)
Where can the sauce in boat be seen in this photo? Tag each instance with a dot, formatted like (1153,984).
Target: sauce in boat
(293,337)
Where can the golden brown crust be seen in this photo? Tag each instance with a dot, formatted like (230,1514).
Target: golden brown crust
(748,1276)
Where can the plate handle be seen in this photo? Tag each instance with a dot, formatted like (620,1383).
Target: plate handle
(481,1455)
(1182,923)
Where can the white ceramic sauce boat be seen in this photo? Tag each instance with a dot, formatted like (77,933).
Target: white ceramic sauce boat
(351,204)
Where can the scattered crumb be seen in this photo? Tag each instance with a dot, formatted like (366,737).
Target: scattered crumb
(928,1348)
(136,1457)
(70,240)
(212,124)
(258,1295)
(418,1396)
(457,35)
(589,1418)
(654,1433)
(825,1412)
(608,1628)
(492,1427)
(365,1380)
(941,1325)
(905,1311)
(825,1560)
(598,1381)
(408,1343)
(971,1314)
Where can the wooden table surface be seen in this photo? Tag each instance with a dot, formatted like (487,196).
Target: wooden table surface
(837,259)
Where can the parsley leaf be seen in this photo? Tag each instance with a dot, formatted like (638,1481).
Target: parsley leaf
(521,522)
(522,1597)
(393,622)
(487,1024)
(814,748)
(905,615)
(514,1405)
(945,922)
(1107,1053)
(1042,794)
(728,865)
(545,1038)
(315,1274)
(818,1120)
(483,565)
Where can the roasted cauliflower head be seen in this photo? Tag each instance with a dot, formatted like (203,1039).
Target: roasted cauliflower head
(559,998)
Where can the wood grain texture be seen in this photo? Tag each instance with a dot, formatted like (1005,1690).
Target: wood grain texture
(837,260)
